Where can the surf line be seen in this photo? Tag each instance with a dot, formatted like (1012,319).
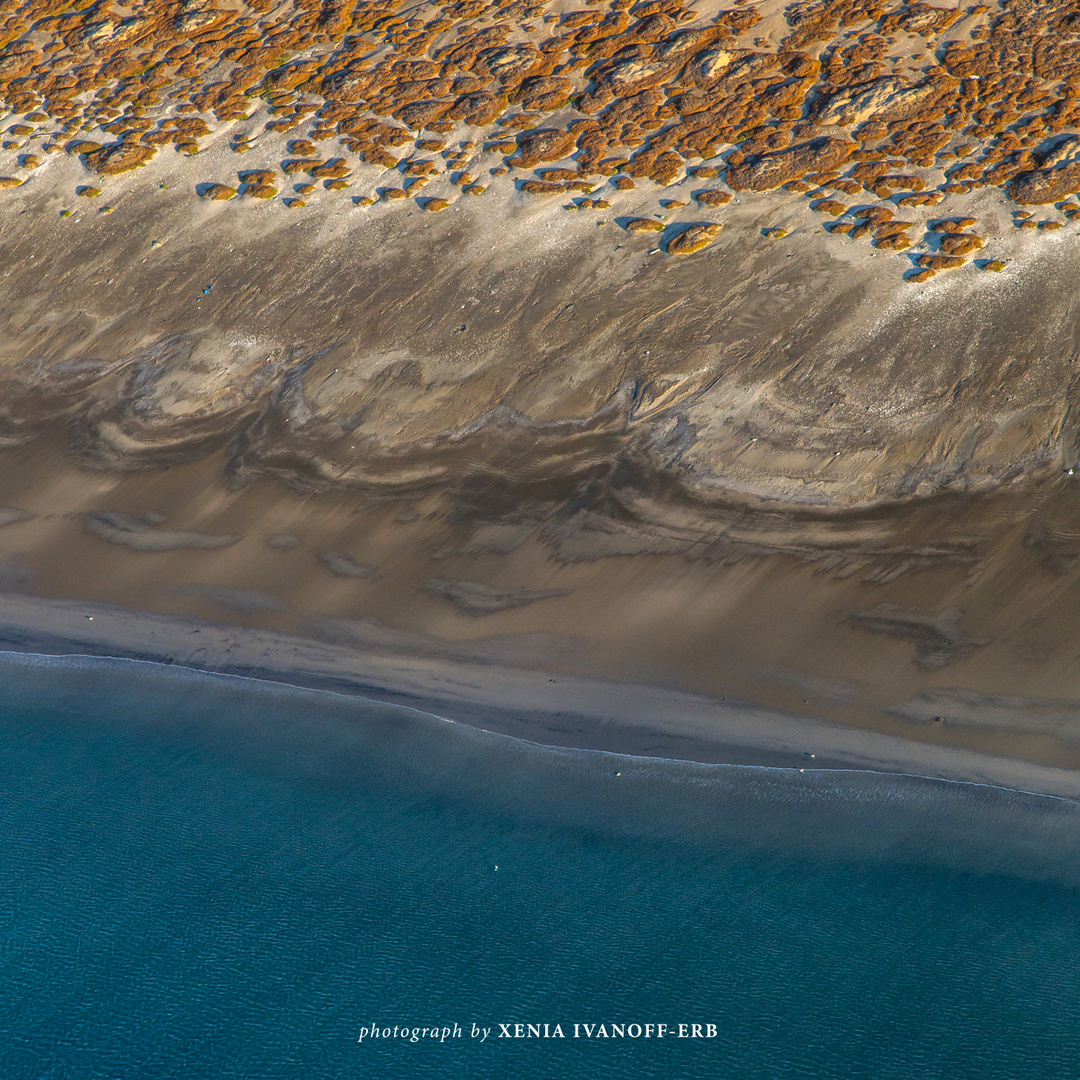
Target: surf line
(270,685)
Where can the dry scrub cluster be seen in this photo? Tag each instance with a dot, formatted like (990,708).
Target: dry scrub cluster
(900,101)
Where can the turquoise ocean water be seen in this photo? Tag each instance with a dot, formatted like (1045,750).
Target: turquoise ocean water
(206,877)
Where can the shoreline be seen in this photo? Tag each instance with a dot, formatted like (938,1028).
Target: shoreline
(262,680)
(534,705)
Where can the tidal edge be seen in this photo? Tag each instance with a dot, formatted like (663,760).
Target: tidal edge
(569,712)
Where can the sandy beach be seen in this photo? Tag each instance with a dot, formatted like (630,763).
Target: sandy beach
(953,658)
(569,711)
(666,355)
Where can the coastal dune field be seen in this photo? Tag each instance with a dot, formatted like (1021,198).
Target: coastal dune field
(554,523)
(718,352)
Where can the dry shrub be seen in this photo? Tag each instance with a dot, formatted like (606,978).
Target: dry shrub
(257,176)
(694,239)
(940,262)
(643,225)
(540,187)
(960,243)
(118,158)
(218,192)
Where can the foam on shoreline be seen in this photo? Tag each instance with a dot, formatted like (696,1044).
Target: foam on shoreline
(637,720)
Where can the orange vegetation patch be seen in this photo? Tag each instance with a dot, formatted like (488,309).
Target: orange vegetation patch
(648,91)
(259,191)
(778,168)
(217,192)
(940,262)
(960,243)
(541,187)
(643,225)
(118,158)
(332,170)
(538,146)
(952,225)
(694,239)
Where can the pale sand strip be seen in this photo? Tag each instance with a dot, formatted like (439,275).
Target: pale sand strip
(564,710)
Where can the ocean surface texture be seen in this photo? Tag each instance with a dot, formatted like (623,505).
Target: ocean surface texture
(213,877)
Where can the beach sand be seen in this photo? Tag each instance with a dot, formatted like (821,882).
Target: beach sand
(570,711)
(528,468)
(761,659)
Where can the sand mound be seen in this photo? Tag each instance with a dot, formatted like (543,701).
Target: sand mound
(694,239)
(474,598)
(119,528)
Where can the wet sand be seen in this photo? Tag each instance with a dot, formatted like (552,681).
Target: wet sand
(961,609)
